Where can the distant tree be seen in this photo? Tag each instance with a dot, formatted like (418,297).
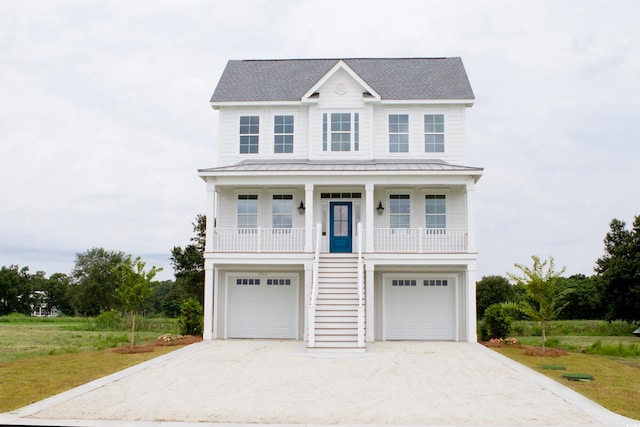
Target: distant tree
(94,282)
(619,271)
(134,287)
(492,290)
(14,290)
(57,289)
(540,282)
(160,297)
(583,301)
(188,264)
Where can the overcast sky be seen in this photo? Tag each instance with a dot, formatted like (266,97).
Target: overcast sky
(104,115)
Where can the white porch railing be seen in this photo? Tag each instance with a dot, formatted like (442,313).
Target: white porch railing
(360,289)
(311,339)
(420,240)
(258,239)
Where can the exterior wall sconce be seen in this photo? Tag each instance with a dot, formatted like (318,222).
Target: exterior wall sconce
(380,208)
(301,208)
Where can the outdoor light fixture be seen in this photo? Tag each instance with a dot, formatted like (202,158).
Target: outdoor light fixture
(380,208)
(301,208)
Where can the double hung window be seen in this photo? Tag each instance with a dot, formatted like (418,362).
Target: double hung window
(340,132)
(249,134)
(247,211)
(398,133)
(399,211)
(434,133)
(435,206)
(283,134)
(282,211)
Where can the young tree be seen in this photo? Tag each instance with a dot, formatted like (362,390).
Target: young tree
(188,264)
(541,285)
(134,287)
(619,271)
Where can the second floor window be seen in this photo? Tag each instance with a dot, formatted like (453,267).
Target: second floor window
(283,134)
(399,211)
(340,132)
(249,134)
(434,133)
(435,207)
(247,211)
(399,133)
(282,211)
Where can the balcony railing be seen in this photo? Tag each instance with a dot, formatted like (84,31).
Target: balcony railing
(258,239)
(420,240)
(407,240)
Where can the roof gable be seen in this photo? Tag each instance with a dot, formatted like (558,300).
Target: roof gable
(388,78)
(340,65)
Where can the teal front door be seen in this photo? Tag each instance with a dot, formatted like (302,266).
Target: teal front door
(340,230)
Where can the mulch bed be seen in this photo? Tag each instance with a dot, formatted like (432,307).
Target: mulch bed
(162,341)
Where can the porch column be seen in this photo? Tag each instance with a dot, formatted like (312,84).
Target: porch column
(308,219)
(472,336)
(210,214)
(471,216)
(368,215)
(370,302)
(208,329)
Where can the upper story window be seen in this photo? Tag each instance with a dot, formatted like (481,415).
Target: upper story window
(434,133)
(282,211)
(340,132)
(283,134)
(247,211)
(399,211)
(435,207)
(249,134)
(398,133)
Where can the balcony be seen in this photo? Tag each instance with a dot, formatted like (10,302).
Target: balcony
(385,240)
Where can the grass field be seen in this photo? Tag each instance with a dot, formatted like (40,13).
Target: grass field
(616,385)
(40,357)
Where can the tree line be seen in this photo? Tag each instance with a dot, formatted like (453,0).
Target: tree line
(95,284)
(612,293)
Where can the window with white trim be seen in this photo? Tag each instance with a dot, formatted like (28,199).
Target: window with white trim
(435,207)
(247,211)
(283,134)
(399,211)
(249,134)
(282,211)
(434,133)
(398,133)
(340,132)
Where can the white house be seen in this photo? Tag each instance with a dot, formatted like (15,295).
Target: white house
(341,211)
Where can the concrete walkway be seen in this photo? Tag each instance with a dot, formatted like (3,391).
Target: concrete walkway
(278,382)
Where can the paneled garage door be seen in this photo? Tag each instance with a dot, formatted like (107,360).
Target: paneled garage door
(262,307)
(419,309)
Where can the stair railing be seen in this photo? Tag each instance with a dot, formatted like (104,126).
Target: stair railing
(314,289)
(360,288)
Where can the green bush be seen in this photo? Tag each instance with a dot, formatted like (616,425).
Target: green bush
(109,321)
(191,322)
(497,322)
(620,350)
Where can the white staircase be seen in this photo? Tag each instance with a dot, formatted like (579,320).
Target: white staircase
(336,308)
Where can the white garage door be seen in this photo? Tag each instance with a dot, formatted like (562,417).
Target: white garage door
(419,309)
(262,307)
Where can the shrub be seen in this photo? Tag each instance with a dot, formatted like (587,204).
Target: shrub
(191,322)
(109,320)
(497,322)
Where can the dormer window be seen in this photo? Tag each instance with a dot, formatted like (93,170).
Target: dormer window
(340,132)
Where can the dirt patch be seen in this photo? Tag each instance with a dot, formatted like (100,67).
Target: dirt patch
(544,352)
(162,341)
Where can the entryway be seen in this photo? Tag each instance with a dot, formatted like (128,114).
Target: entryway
(340,230)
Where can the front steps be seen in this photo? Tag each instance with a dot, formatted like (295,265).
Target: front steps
(336,315)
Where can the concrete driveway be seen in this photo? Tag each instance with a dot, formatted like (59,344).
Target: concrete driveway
(278,382)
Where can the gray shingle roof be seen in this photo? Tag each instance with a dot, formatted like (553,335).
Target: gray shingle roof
(335,166)
(391,78)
